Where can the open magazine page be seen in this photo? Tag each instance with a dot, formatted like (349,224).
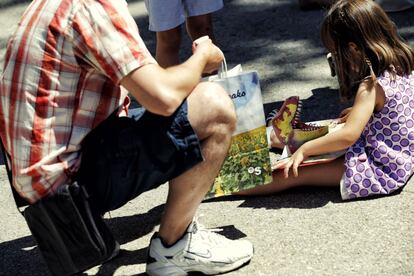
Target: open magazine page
(317,159)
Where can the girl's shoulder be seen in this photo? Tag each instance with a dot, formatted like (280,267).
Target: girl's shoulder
(386,79)
(388,75)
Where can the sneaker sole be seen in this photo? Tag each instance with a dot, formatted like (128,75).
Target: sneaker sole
(226,268)
(171,269)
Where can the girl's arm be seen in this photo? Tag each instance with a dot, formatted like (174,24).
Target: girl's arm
(358,117)
(364,105)
(344,115)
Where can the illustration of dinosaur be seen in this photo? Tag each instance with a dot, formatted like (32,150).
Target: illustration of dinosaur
(290,130)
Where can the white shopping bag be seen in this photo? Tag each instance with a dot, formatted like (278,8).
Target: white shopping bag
(248,162)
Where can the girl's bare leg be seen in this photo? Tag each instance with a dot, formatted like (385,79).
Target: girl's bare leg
(323,175)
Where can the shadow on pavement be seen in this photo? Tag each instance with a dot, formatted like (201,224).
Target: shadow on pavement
(127,229)
(311,106)
(10,3)
(23,257)
(299,198)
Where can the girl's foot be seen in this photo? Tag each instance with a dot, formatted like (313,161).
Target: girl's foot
(274,142)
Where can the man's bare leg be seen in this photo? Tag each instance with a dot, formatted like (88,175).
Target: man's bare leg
(323,175)
(211,113)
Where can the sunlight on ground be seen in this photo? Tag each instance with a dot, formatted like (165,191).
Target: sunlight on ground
(8,20)
(137,9)
(407,32)
(292,45)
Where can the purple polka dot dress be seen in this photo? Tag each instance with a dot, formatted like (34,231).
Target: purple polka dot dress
(382,160)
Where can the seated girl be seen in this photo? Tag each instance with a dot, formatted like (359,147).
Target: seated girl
(374,68)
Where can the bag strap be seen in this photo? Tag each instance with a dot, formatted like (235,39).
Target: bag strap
(20,202)
(222,71)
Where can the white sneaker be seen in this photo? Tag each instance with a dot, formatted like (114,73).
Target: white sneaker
(199,250)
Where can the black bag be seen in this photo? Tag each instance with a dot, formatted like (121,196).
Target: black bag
(71,236)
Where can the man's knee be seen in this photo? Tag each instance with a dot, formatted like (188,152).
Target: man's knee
(220,106)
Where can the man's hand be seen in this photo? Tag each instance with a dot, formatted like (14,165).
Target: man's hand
(214,55)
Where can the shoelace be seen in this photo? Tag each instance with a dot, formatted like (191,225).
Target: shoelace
(271,115)
(208,234)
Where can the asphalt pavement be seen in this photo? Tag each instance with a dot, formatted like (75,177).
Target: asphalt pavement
(306,231)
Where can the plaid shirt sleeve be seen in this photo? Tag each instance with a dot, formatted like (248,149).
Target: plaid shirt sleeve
(108,39)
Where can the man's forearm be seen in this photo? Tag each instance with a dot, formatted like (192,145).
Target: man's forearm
(160,90)
(184,77)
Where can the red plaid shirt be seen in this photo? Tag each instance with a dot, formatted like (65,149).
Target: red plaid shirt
(61,79)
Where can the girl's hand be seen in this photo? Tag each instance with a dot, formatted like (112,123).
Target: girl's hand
(214,55)
(293,162)
(343,116)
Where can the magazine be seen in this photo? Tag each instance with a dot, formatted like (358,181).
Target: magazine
(317,159)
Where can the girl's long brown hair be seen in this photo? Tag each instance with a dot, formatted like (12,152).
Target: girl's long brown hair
(364,23)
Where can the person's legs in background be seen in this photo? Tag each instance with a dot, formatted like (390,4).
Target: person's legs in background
(201,25)
(166,21)
(168,47)
(199,21)
(166,18)
(169,41)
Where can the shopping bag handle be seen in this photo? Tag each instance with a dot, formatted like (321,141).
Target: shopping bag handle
(222,71)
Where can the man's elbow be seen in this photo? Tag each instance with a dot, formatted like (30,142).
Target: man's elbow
(167,106)
(170,109)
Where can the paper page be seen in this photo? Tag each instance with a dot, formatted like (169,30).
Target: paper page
(318,159)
